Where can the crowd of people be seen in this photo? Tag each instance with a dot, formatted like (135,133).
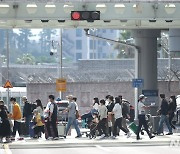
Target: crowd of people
(110,116)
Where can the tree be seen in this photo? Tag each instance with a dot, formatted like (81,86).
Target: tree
(23,39)
(45,39)
(26,59)
(124,51)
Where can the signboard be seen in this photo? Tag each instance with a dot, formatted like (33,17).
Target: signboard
(61,85)
(137,83)
(8,84)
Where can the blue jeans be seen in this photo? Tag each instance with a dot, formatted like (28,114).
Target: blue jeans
(27,122)
(73,121)
(163,119)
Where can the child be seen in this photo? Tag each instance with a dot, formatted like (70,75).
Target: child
(38,125)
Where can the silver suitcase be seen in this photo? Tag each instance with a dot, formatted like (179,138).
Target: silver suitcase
(61,129)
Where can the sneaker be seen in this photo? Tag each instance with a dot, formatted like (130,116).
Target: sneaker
(102,136)
(79,136)
(138,138)
(56,138)
(113,137)
(169,133)
(128,135)
(151,137)
(49,138)
(20,139)
(12,138)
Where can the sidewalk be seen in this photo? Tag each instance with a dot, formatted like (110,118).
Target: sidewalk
(71,141)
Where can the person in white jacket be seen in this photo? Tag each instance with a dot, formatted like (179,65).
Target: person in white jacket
(117,111)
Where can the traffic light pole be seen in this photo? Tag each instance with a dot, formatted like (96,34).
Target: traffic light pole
(60,59)
(137,54)
(7,62)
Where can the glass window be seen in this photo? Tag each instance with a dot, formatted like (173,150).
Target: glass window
(78,32)
(78,44)
(100,49)
(78,56)
(104,43)
(92,44)
(104,31)
(92,55)
(99,55)
(104,55)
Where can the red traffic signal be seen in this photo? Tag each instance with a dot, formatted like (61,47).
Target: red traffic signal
(85,15)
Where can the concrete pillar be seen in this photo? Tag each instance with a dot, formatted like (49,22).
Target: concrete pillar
(174,39)
(146,40)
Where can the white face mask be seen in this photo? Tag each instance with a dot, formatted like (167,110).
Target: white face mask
(143,100)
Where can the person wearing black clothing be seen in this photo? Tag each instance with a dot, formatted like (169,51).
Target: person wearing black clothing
(164,115)
(52,118)
(5,129)
(27,113)
(172,109)
(111,119)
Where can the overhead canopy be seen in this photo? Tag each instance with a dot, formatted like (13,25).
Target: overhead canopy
(125,14)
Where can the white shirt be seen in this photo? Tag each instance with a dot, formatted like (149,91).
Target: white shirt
(96,106)
(141,109)
(117,110)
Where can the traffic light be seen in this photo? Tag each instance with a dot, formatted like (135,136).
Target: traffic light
(90,16)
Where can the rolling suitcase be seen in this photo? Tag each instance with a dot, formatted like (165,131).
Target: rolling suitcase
(61,129)
(155,124)
(132,126)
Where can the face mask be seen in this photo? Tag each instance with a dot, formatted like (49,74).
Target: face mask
(143,100)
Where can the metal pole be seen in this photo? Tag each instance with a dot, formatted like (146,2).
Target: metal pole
(60,58)
(93,44)
(7,52)
(169,63)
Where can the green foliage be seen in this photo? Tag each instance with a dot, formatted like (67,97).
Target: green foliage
(26,59)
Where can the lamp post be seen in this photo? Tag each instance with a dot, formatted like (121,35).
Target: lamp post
(7,55)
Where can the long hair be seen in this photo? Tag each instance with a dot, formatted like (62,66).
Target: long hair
(173,100)
(38,101)
(96,100)
(117,100)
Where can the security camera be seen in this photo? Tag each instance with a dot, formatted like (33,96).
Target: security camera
(86,30)
(51,53)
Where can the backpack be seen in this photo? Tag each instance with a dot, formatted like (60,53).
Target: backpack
(125,109)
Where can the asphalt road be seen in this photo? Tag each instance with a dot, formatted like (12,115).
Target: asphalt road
(97,150)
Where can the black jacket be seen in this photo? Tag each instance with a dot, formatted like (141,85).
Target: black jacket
(164,107)
(27,110)
(110,107)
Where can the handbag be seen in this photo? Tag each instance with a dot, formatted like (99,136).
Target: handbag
(77,114)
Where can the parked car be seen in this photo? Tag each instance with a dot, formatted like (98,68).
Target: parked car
(62,105)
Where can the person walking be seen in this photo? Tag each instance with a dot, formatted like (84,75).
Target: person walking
(72,116)
(142,118)
(5,128)
(117,111)
(101,127)
(27,114)
(16,116)
(39,107)
(164,115)
(52,118)
(110,107)
(172,109)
